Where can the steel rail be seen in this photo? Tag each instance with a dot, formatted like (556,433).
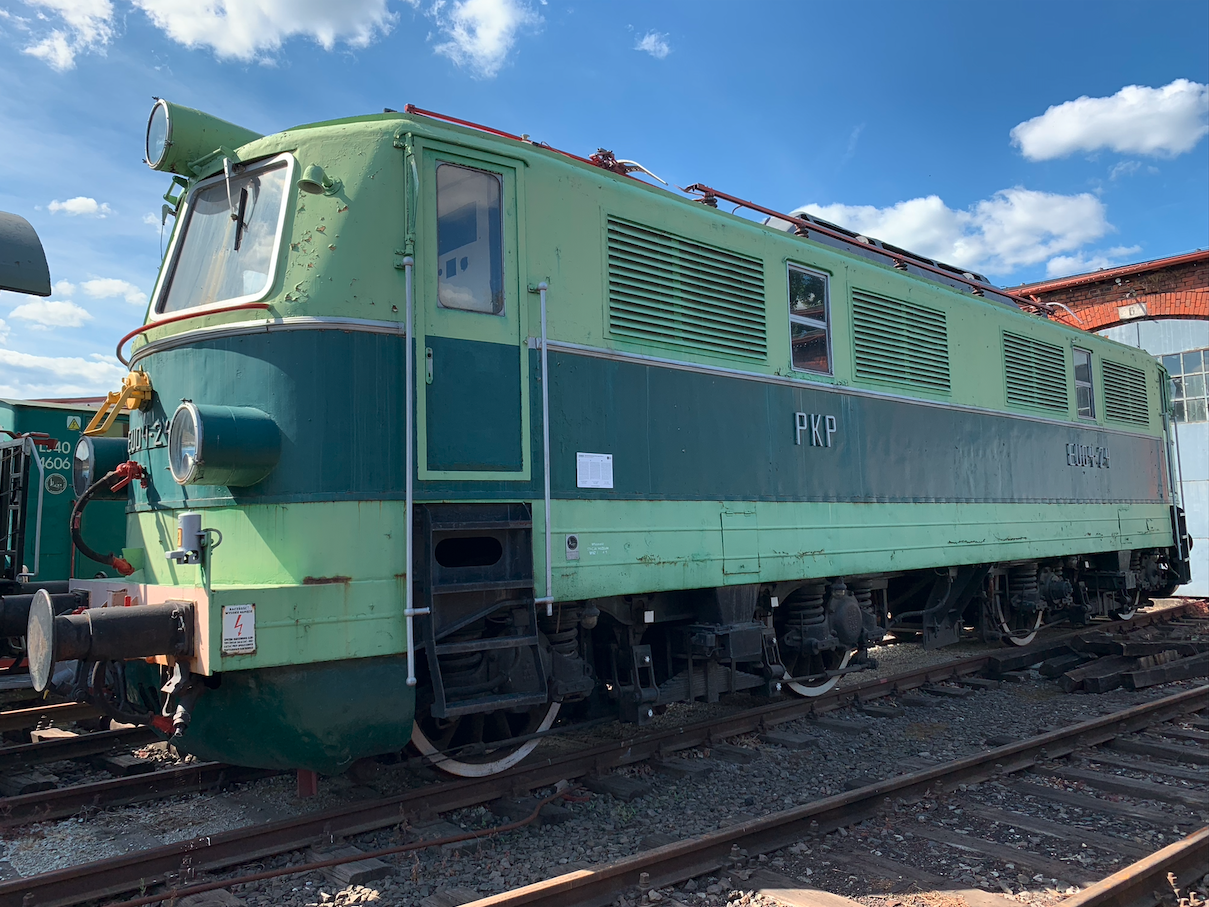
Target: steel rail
(1136,885)
(682,860)
(20,719)
(130,871)
(75,747)
(68,801)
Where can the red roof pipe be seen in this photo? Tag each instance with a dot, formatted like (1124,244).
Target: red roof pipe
(432,114)
(805,226)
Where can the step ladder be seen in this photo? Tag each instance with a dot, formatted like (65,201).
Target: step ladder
(462,586)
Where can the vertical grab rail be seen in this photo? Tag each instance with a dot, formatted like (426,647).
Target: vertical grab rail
(409,609)
(409,261)
(548,598)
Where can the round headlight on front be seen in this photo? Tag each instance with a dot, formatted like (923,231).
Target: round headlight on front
(222,445)
(184,441)
(93,459)
(159,133)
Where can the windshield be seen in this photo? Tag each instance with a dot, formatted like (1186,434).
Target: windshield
(228,242)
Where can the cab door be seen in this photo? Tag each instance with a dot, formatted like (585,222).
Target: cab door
(474,399)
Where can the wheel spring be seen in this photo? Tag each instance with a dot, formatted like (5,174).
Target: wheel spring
(1022,581)
(804,608)
(462,670)
(562,629)
(863,590)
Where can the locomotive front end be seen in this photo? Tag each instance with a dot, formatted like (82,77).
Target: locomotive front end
(261,620)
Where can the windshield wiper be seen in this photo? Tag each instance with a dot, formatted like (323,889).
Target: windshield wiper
(237,215)
(240,223)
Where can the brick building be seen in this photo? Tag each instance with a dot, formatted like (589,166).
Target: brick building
(1160,306)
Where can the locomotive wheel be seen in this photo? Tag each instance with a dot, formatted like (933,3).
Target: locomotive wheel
(433,737)
(1127,613)
(830,661)
(1017,630)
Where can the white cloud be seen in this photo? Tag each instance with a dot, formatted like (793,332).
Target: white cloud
(109,287)
(83,25)
(1083,263)
(654,44)
(64,288)
(480,33)
(255,29)
(151,220)
(5,330)
(81,204)
(1161,122)
(1125,168)
(1014,228)
(44,314)
(27,376)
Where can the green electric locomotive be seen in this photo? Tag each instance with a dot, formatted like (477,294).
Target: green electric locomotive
(436,431)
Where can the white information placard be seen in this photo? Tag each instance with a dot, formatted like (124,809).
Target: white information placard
(238,629)
(593,470)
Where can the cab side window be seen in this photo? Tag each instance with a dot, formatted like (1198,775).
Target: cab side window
(470,254)
(809,315)
(1085,397)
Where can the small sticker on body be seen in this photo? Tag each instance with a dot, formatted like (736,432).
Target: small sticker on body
(238,629)
(593,470)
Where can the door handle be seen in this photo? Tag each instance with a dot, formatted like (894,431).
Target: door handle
(428,365)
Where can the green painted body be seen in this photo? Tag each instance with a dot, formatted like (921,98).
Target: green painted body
(104,523)
(712,485)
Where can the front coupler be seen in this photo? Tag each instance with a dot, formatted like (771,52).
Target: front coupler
(104,634)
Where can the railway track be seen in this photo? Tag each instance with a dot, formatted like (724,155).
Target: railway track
(731,862)
(37,798)
(732,854)
(164,864)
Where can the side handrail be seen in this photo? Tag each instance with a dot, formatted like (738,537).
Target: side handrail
(548,598)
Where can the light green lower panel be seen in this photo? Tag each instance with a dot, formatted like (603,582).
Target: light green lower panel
(266,544)
(327,579)
(304,624)
(627,547)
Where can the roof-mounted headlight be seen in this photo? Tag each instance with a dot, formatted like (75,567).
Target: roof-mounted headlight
(178,136)
(222,445)
(158,134)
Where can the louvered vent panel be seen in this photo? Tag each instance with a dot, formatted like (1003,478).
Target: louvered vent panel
(1125,393)
(900,342)
(1036,373)
(671,291)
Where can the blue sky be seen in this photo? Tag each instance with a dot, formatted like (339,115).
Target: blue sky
(1025,140)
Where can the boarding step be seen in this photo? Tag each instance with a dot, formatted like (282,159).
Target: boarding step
(484,586)
(511,701)
(480,525)
(484,645)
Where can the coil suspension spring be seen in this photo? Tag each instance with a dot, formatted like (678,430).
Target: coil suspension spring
(1022,582)
(863,590)
(804,608)
(562,628)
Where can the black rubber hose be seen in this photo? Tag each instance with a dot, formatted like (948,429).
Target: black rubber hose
(121,565)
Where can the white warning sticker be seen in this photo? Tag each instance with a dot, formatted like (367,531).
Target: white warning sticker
(238,629)
(593,470)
